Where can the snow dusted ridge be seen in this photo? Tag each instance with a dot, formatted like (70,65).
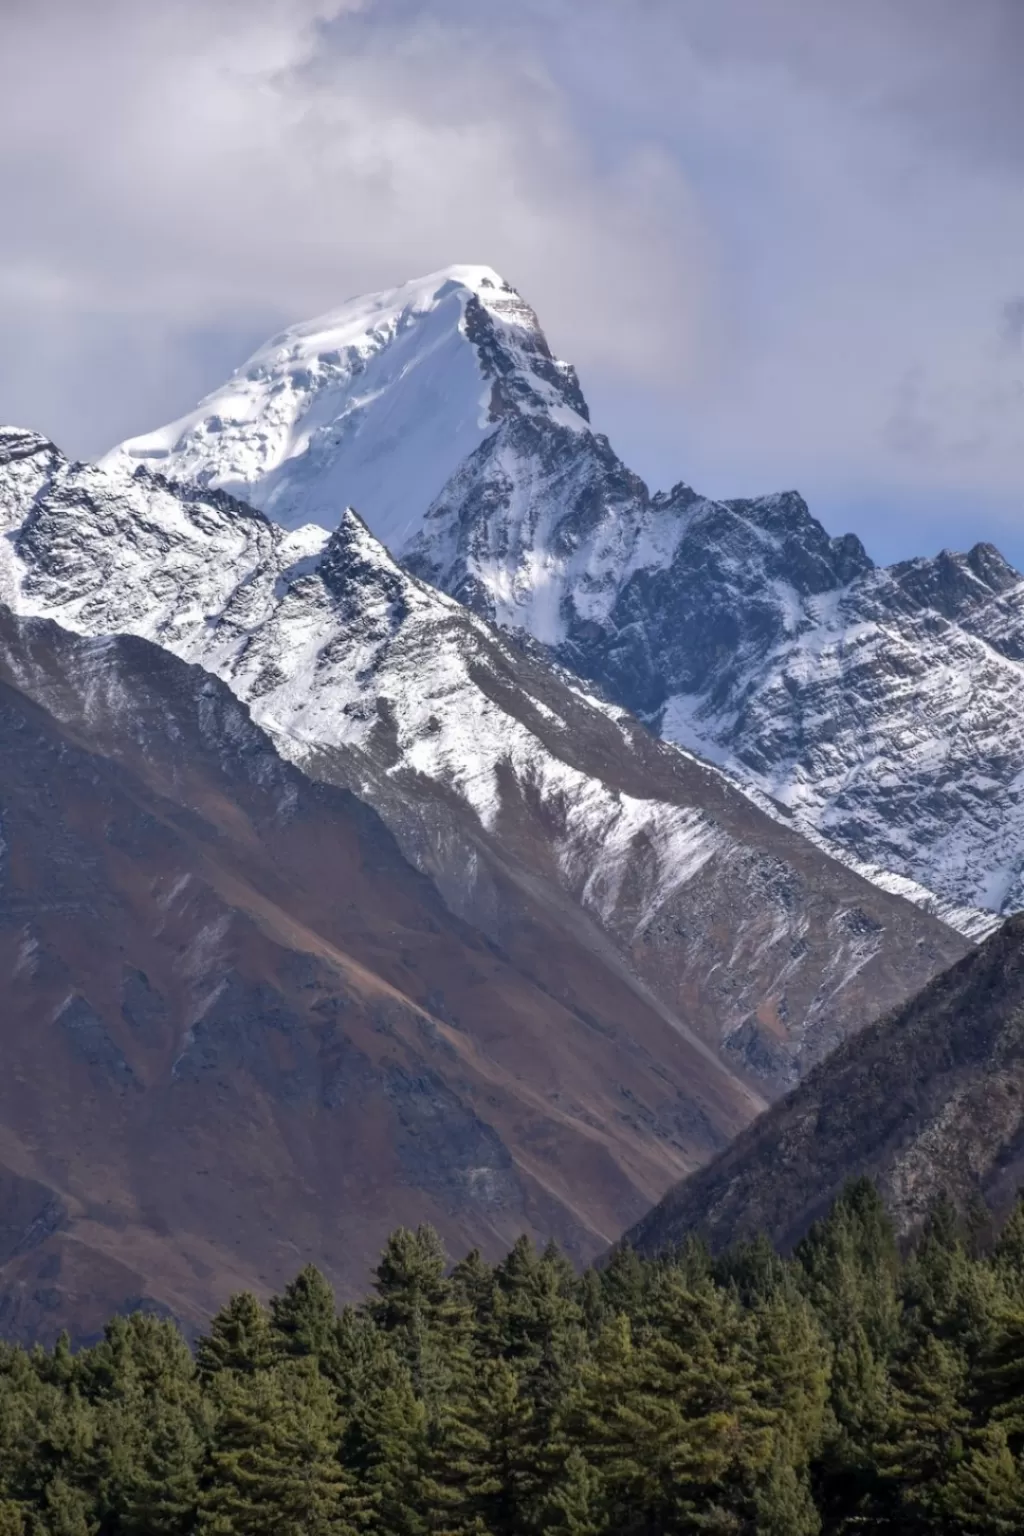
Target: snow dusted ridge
(324,635)
(374,405)
(882,709)
(494,771)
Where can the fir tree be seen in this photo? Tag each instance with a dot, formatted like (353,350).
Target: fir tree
(304,1317)
(239,1339)
(273,1468)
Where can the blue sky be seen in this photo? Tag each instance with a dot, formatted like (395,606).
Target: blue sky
(783,240)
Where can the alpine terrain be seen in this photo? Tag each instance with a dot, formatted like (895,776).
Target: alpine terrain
(242,1033)
(881,709)
(529,803)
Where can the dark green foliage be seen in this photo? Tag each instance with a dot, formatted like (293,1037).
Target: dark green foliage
(849,1389)
(304,1319)
(239,1339)
(273,1462)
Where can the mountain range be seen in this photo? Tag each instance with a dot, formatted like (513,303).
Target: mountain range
(526,799)
(241,1031)
(407,815)
(880,708)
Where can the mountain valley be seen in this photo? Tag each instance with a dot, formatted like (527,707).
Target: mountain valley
(368,827)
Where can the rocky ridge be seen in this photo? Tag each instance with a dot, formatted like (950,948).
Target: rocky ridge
(242,1033)
(526,800)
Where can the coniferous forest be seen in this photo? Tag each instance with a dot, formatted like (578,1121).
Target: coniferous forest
(850,1388)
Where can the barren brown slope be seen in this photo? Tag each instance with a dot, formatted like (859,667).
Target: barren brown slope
(241,1032)
(927,1101)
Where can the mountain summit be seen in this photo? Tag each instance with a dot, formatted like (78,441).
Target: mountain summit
(374,405)
(881,708)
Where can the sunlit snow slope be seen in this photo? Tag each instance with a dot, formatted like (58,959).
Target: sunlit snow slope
(883,709)
(373,406)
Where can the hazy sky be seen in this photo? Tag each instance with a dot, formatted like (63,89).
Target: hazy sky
(782,240)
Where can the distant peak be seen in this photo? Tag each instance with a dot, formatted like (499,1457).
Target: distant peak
(417,296)
(375,404)
(22,443)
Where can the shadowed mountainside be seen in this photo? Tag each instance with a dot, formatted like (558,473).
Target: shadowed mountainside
(927,1101)
(241,1032)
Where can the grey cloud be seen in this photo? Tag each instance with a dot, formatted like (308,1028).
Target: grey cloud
(1011,327)
(749,223)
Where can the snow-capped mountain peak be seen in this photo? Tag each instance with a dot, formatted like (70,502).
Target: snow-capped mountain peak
(373,405)
(880,706)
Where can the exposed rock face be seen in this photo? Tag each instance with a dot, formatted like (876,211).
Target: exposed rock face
(241,1032)
(882,708)
(927,1101)
(528,802)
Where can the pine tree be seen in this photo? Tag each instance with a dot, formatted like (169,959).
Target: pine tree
(410,1281)
(481,1473)
(592,1304)
(273,1468)
(140,1352)
(925,1439)
(304,1317)
(790,1370)
(161,1498)
(984,1492)
(670,1423)
(13,1517)
(849,1266)
(426,1321)
(575,1505)
(1008,1253)
(537,1324)
(784,1504)
(66,1510)
(624,1282)
(998,1375)
(945,1291)
(472,1283)
(239,1339)
(384,1443)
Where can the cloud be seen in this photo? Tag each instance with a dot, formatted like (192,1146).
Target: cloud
(1011,318)
(860,171)
(228,166)
(781,240)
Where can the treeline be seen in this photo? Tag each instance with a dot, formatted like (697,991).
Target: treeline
(848,1389)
